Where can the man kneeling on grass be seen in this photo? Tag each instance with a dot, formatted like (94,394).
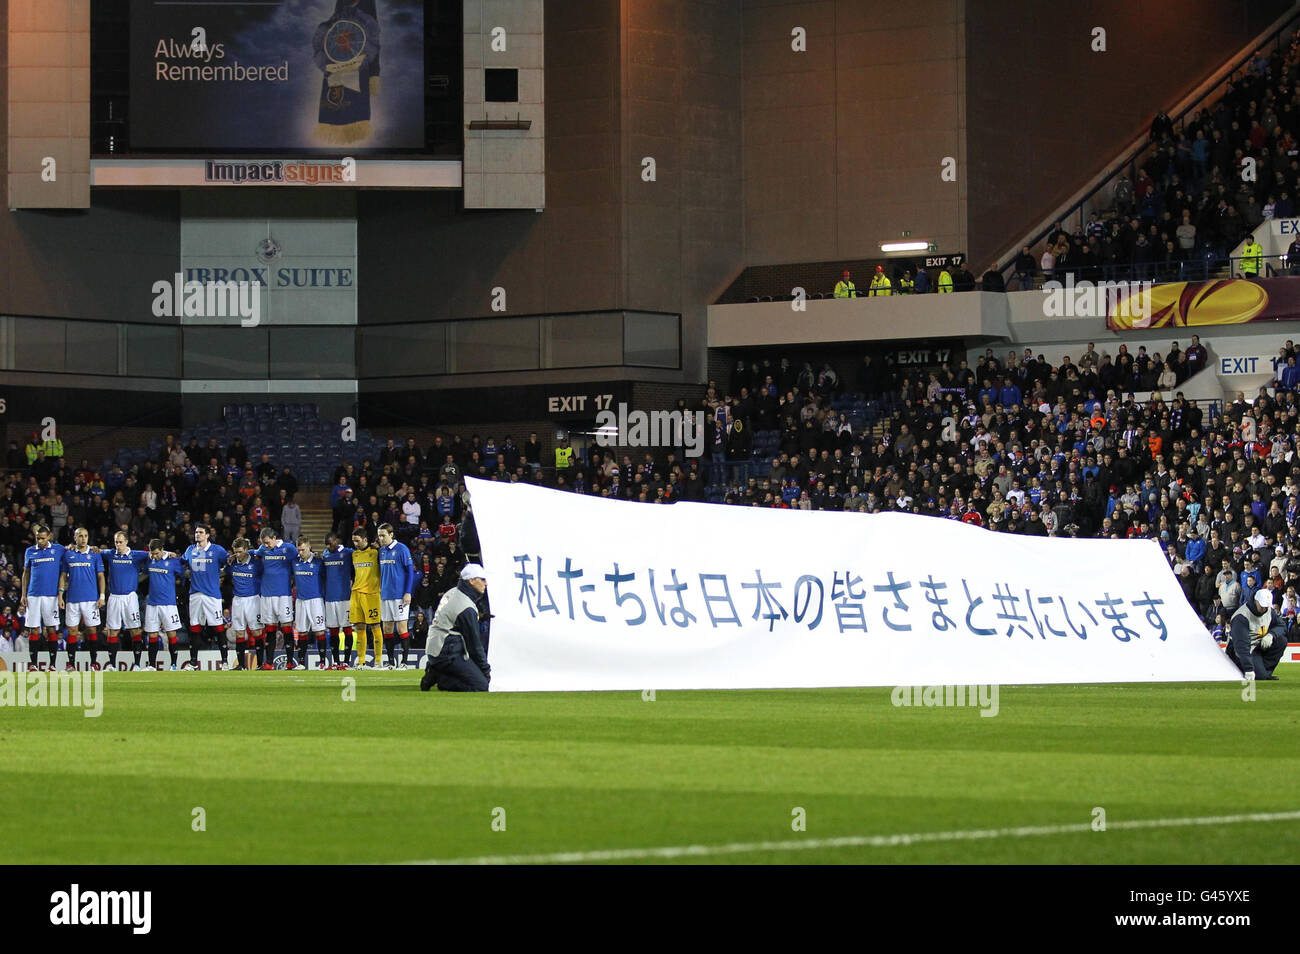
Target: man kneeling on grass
(1257,637)
(453,655)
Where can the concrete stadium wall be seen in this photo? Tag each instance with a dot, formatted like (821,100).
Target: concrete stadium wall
(844,142)
(969,315)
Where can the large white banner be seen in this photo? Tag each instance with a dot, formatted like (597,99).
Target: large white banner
(590,593)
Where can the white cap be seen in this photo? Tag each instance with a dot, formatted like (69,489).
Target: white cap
(473,571)
(1263,599)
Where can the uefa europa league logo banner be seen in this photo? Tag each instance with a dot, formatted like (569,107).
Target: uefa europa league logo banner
(1221,302)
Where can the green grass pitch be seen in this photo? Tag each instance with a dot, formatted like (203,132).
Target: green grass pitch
(288,771)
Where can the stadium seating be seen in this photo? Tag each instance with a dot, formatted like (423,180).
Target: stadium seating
(291,433)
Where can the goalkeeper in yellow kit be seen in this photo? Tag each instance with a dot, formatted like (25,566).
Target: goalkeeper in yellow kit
(364,612)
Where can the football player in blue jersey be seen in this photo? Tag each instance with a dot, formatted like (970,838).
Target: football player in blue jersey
(39,605)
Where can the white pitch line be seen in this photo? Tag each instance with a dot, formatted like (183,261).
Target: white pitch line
(851,841)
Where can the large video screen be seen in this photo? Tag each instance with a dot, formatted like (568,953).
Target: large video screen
(287,75)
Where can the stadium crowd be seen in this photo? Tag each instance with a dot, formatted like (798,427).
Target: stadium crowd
(1015,444)
(1191,201)
(1178,217)
(1018,445)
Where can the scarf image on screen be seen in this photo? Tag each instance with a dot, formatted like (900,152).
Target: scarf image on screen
(346,49)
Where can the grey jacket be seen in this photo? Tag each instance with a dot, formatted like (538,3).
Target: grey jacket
(455,628)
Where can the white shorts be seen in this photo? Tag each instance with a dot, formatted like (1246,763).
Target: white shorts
(309,616)
(158,619)
(123,612)
(42,611)
(277,610)
(245,614)
(391,611)
(74,614)
(205,610)
(336,614)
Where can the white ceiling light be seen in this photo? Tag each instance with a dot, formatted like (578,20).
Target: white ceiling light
(904,246)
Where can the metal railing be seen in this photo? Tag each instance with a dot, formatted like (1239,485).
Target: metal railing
(1201,266)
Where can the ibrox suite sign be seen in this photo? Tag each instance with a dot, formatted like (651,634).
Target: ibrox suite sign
(279,171)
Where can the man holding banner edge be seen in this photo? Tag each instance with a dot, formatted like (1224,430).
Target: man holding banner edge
(453,655)
(1257,639)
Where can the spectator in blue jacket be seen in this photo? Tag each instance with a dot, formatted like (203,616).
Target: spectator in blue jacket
(1251,579)
(1195,552)
(337,491)
(1009,395)
(1289,376)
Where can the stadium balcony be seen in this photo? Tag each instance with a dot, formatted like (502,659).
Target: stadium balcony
(790,322)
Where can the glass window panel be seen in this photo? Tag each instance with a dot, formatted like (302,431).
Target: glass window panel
(652,341)
(502,344)
(390,351)
(92,347)
(40,344)
(298,352)
(583,341)
(230,353)
(153,351)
